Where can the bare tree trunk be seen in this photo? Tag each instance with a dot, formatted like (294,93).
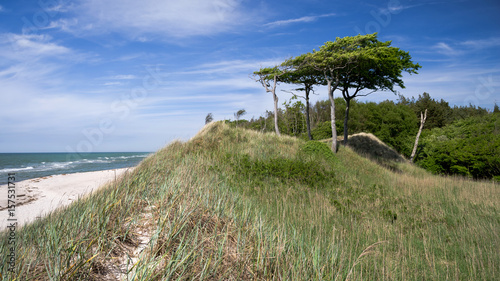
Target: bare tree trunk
(307,115)
(272,90)
(276,111)
(346,120)
(422,122)
(332,116)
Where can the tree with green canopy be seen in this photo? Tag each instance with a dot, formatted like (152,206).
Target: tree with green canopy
(303,73)
(361,63)
(209,118)
(238,114)
(330,63)
(266,76)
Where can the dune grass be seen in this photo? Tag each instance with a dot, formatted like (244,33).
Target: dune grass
(233,204)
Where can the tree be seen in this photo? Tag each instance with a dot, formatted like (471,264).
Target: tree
(468,147)
(439,112)
(496,109)
(294,118)
(265,76)
(238,115)
(209,118)
(303,73)
(329,62)
(320,112)
(422,122)
(368,64)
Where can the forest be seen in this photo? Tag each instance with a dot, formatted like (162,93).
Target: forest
(458,140)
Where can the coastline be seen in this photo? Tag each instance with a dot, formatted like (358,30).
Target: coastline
(39,196)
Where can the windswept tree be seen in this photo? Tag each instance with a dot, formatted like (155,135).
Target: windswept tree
(303,73)
(329,61)
(368,64)
(269,77)
(209,118)
(238,114)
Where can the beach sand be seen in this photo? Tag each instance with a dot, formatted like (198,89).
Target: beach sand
(37,197)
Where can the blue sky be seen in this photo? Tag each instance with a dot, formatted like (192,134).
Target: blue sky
(122,75)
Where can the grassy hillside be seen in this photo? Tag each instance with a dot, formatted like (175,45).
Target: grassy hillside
(233,204)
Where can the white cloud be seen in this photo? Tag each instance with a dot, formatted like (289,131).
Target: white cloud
(446,49)
(230,67)
(33,58)
(38,110)
(395,7)
(67,25)
(482,43)
(29,46)
(172,18)
(123,77)
(464,47)
(298,20)
(113,84)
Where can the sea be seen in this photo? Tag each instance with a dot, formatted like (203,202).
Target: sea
(34,165)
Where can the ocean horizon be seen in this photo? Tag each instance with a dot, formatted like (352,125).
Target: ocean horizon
(34,165)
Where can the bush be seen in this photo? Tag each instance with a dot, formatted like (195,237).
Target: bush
(317,148)
(263,172)
(470,147)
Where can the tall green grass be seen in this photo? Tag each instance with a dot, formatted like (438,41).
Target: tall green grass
(232,204)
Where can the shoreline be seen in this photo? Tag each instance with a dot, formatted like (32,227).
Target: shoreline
(39,196)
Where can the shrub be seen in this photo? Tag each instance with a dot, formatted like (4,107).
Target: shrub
(317,148)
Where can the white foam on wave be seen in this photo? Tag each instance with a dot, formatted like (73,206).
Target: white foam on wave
(53,166)
(16,169)
(49,166)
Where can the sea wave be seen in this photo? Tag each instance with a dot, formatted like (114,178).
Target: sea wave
(45,166)
(8,170)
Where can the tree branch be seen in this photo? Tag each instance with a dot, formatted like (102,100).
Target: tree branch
(295,95)
(364,95)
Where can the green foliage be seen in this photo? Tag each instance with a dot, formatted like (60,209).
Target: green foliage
(261,172)
(268,73)
(310,166)
(239,113)
(356,63)
(396,124)
(293,119)
(302,72)
(469,147)
(317,148)
(320,112)
(439,113)
(209,118)
(322,131)
(363,62)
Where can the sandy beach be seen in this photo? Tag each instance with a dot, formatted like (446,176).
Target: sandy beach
(37,197)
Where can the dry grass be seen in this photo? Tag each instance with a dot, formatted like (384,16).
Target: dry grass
(369,145)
